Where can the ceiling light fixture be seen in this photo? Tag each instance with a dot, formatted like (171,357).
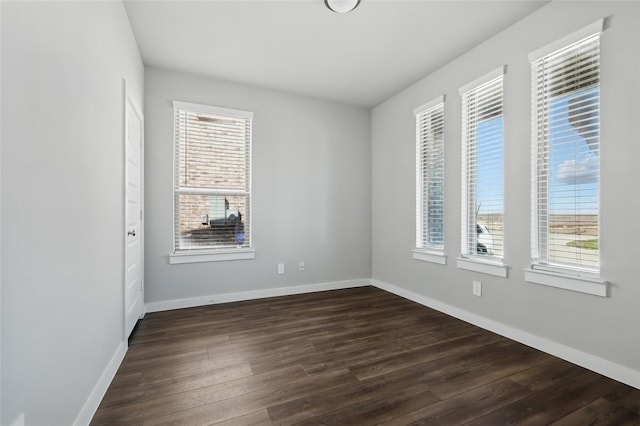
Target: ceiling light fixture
(342,6)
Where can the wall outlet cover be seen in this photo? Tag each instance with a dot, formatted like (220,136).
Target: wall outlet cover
(477,288)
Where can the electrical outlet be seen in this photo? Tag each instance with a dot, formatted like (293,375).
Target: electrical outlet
(477,288)
(301,266)
(280,268)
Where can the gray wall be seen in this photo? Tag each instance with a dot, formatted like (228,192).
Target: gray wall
(62,210)
(311,190)
(605,327)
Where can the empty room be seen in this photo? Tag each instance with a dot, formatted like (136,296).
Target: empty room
(319,212)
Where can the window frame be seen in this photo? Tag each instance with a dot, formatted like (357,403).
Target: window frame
(543,271)
(491,265)
(425,147)
(212,254)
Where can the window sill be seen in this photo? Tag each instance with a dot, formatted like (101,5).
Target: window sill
(430,256)
(567,281)
(212,256)
(495,268)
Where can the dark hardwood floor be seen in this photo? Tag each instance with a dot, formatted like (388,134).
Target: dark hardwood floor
(359,356)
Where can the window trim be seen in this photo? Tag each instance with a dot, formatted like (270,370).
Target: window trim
(431,256)
(210,109)
(489,265)
(568,277)
(592,29)
(221,253)
(580,283)
(432,103)
(493,74)
(211,255)
(426,253)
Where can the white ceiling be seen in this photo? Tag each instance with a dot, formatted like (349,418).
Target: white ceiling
(299,46)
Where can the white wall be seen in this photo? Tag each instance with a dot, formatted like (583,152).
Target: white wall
(311,190)
(608,328)
(62,209)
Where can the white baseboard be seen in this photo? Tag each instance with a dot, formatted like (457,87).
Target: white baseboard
(610,369)
(213,299)
(93,402)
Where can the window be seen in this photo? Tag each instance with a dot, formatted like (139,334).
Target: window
(212,183)
(430,175)
(482,168)
(566,153)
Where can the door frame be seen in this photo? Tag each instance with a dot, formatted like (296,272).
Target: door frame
(128,101)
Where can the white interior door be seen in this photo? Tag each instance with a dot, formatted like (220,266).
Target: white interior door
(133,300)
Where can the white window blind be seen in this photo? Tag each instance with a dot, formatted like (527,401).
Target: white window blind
(566,153)
(430,175)
(212,186)
(482,168)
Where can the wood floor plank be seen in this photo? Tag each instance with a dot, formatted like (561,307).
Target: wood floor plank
(157,376)
(600,412)
(162,360)
(545,407)
(358,356)
(397,358)
(371,353)
(151,349)
(191,400)
(465,406)
(625,396)
(357,393)
(258,418)
(172,386)
(248,403)
(377,410)
(480,372)
(549,375)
